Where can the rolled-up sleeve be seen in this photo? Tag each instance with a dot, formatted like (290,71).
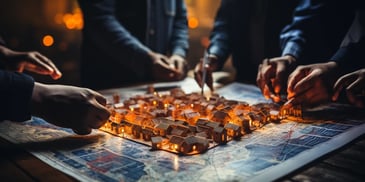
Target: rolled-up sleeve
(220,39)
(179,39)
(317,29)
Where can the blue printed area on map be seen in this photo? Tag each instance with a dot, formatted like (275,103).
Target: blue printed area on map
(335,126)
(252,165)
(308,140)
(313,130)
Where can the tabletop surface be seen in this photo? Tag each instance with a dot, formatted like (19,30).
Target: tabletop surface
(344,164)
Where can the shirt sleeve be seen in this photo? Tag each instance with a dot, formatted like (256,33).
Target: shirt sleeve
(317,29)
(15,91)
(102,26)
(179,38)
(220,39)
(349,56)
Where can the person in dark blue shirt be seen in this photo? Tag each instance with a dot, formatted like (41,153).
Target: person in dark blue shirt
(316,32)
(77,108)
(248,31)
(129,42)
(314,84)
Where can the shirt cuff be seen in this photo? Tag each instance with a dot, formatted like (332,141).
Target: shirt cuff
(293,49)
(216,50)
(179,51)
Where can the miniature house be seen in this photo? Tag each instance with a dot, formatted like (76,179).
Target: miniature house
(220,116)
(176,143)
(163,129)
(147,133)
(136,131)
(156,142)
(220,135)
(233,130)
(194,144)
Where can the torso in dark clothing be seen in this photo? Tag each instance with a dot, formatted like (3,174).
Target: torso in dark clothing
(133,16)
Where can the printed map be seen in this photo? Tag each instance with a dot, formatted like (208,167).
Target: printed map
(264,155)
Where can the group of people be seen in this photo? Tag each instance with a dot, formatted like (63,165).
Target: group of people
(320,54)
(143,41)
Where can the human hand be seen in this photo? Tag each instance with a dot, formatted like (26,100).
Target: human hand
(354,83)
(272,76)
(80,109)
(180,65)
(31,61)
(311,84)
(162,68)
(210,68)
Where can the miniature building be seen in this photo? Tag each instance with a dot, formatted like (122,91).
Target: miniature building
(176,143)
(194,144)
(220,116)
(156,142)
(147,133)
(136,131)
(163,129)
(233,130)
(220,135)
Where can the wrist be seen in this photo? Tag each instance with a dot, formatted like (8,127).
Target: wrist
(290,58)
(37,97)
(213,61)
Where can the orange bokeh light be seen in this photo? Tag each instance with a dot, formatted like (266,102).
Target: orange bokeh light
(73,20)
(47,40)
(193,22)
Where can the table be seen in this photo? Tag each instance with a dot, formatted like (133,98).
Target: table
(345,164)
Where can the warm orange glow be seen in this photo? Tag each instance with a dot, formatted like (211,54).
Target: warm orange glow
(47,40)
(193,22)
(73,21)
(194,147)
(204,41)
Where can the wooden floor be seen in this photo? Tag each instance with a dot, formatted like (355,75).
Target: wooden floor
(345,164)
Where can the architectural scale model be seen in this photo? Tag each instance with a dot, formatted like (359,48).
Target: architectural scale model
(189,124)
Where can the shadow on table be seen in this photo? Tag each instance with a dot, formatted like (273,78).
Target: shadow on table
(65,143)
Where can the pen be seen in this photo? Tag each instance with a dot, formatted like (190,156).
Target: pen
(204,70)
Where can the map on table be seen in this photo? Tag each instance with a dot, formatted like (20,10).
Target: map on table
(266,154)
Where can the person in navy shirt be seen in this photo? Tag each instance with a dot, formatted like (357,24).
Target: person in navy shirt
(315,34)
(130,42)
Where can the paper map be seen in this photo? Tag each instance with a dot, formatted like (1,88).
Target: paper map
(264,155)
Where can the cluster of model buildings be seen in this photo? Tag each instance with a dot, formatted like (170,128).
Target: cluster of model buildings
(189,123)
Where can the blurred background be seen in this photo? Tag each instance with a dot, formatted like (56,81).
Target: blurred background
(53,27)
